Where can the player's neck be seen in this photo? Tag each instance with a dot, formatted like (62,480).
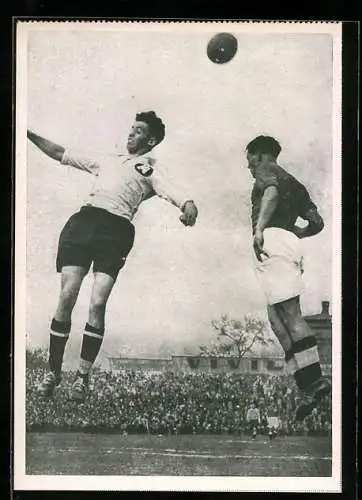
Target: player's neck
(140,152)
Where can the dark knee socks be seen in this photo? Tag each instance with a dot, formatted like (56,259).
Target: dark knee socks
(291,361)
(305,352)
(59,334)
(92,341)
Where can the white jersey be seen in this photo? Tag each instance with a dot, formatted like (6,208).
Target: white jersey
(253,414)
(122,182)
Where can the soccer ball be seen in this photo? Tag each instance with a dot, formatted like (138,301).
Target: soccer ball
(222,48)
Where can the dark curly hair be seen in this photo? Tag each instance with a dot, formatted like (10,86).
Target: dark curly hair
(264,144)
(155,124)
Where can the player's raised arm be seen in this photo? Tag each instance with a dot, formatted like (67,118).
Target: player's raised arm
(50,148)
(169,192)
(71,158)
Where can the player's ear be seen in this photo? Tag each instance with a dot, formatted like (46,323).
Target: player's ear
(152,142)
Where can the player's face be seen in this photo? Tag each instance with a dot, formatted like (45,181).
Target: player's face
(139,138)
(253,162)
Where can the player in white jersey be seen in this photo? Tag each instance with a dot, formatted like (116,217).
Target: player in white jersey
(102,234)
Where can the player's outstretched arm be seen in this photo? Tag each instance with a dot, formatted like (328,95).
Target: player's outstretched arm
(315,224)
(169,192)
(51,149)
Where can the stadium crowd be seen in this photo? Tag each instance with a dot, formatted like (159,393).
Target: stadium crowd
(171,403)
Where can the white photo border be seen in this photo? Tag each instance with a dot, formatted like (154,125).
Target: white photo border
(22,481)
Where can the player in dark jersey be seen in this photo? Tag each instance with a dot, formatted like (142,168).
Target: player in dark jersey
(102,234)
(278,199)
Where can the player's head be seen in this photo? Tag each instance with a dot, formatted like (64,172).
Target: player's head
(261,148)
(146,132)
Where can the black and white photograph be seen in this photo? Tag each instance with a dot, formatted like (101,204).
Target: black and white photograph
(177,256)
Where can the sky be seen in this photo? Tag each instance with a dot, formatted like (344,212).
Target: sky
(83,91)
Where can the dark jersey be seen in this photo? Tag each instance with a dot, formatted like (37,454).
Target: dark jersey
(272,412)
(293,198)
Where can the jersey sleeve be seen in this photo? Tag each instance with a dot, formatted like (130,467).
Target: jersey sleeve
(265,177)
(304,202)
(81,161)
(166,190)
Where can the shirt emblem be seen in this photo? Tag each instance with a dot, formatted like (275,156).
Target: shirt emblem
(144,169)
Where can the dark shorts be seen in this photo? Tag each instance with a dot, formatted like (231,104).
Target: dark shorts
(96,236)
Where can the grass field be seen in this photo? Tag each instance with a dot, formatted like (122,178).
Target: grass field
(196,455)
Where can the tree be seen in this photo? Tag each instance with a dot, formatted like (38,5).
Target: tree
(36,358)
(235,338)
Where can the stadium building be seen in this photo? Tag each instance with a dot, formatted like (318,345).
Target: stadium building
(263,359)
(321,324)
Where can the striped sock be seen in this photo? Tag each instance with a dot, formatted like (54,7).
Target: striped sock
(92,341)
(307,359)
(59,334)
(291,361)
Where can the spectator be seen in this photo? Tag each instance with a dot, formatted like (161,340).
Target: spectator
(253,418)
(172,403)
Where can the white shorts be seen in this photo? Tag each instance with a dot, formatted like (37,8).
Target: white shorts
(280,274)
(273,422)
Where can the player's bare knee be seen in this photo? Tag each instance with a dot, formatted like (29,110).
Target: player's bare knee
(98,305)
(66,303)
(69,292)
(67,299)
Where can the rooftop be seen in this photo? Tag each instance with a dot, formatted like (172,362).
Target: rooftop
(323,315)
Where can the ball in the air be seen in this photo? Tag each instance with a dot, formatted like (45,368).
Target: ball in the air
(222,48)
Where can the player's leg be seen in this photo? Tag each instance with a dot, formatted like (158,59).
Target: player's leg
(111,243)
(279,328)
(102,287)
(93,332)
(73,261)
(285,261)
(254,431)
(308,375)
(70,283)
(280,278)
(282,334)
